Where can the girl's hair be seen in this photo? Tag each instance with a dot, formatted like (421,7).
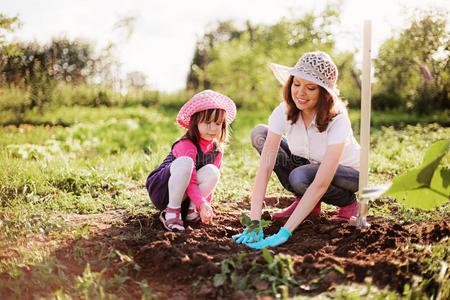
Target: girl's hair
(208,115)
(326,108)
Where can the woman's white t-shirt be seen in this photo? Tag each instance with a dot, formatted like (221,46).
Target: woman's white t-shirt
(312,144)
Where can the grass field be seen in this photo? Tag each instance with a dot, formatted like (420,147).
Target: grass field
(75,162)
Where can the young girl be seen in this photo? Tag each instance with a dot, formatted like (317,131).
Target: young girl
(184,183)
(318,160)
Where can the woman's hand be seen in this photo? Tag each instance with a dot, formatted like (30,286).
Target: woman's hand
(206,213)
(251,234)
(274,240)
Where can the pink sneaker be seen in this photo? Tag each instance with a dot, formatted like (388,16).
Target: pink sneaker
(346,212)
(290,209)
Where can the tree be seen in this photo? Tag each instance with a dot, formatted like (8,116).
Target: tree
(7,25)
(413,70)
(223,31)
(236,62)
(62,60)
(71,61)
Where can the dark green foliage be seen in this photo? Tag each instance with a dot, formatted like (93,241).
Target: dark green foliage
(235,61)
(267,273)
(413,70)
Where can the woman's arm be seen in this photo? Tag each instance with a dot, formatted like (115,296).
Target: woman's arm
(266,164)
(318,187)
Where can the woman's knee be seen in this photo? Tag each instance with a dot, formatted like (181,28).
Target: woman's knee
(299,180)
(346,178)
(259,135)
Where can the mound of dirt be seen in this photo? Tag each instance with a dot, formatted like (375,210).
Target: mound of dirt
(324,253)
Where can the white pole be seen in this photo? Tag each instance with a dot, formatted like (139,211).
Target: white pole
(365,108)
(360,220)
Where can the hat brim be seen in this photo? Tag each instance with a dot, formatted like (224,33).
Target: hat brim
(282,74)
(207,99)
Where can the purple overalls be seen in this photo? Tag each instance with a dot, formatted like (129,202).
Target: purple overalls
(157,181)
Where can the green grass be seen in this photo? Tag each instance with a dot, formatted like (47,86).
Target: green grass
(83,160)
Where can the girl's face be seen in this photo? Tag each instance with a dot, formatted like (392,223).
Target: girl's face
(305,94)
(210,129)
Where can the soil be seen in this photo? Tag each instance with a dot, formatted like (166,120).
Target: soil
(182,265)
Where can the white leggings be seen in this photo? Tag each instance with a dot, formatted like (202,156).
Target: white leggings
(181,171)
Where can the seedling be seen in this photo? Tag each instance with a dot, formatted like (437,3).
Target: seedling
(276,273)
(253,226)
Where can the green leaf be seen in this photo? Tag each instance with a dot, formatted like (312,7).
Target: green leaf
(339,269)
(225,269)
(267,256)
(423,198)
(245,220)
(254,226)
(238,282)
(427,186)
(264,223)
(437,149)
(239,258)
(219,280)
(441,181)
(414,179)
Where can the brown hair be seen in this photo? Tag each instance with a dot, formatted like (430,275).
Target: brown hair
(326,110)
(207,116)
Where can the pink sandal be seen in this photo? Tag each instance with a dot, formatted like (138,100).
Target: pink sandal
(192,215)
(290,209)
(171,224)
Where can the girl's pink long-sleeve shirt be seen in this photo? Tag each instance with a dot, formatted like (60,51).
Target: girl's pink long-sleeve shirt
(187,148)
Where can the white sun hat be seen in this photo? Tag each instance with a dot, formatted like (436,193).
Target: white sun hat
(317,67)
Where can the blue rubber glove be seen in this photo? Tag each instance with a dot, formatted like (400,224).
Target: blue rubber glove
(250,235)
(273,240)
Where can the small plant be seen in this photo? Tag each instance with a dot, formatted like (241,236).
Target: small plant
(253,226)
(275,273)
(81,232)
(230,268)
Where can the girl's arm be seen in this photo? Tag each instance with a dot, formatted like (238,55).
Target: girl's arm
(318,187)
(187,148)
(266,164)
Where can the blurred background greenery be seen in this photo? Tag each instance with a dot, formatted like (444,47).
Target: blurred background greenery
(411,69)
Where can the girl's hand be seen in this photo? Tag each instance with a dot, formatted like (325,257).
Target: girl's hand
(206,213)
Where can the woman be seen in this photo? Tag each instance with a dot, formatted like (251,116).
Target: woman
(318,160)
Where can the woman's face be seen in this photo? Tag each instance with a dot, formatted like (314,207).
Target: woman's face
(305,94)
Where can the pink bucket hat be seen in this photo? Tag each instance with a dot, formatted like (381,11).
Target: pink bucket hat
(316,67)
(207,99)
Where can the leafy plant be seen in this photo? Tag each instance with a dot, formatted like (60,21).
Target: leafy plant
(278,271)
(275,273)
(429,181)
(229,268)
(253,225)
